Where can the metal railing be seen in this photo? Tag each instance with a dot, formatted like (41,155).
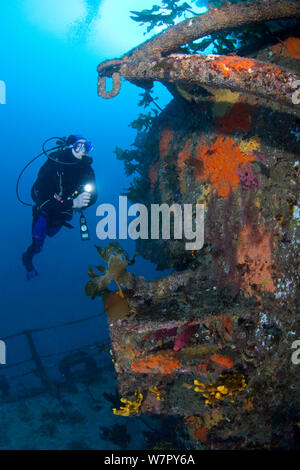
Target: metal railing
(40,369)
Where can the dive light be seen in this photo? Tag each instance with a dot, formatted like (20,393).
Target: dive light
(84,232)
(88,188)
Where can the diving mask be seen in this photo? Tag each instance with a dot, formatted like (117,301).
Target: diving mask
(85,146)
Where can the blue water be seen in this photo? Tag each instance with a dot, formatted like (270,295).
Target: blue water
(51,90)
(48,63)
(49,54)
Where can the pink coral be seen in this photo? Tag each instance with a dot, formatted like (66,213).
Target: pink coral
(185,336)
(248,178)
(165,333)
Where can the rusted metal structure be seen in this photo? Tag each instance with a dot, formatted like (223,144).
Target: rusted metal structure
(212,341)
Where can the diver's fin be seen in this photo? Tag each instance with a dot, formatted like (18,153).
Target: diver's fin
(31,274)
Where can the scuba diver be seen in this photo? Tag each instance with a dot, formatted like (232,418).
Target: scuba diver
(65,183)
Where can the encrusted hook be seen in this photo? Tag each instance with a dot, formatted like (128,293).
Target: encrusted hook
(116,78)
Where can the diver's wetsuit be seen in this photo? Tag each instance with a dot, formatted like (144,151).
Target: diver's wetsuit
(53,193)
